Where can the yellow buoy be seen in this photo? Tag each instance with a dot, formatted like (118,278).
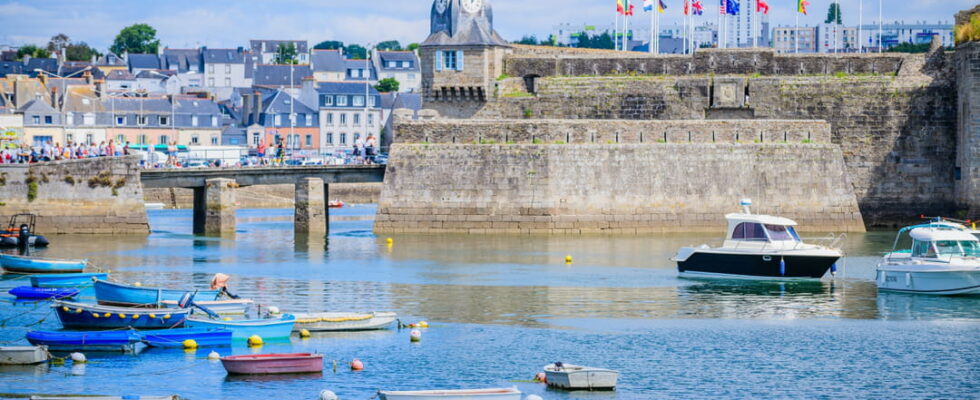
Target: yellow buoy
(78,310)
(166,316)
(95,315)
(423,324)
(107,315)
(153,315)
(63,308)
(255,340)
(568,259)
(137,284)
(122,316)
(189,344)
(303,333)
(136,316)
(227,318)
(390,241)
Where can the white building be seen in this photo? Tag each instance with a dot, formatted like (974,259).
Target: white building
(833,38)
(746,29)
(225,69)
(403,66)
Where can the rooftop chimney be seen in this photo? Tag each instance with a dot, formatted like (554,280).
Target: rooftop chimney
(246,109)
(256,107)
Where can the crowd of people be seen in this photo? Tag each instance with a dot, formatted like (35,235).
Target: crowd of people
(25,154)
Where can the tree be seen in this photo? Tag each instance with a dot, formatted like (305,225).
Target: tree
(909,48)
(80,51)
(387,85)
(412,47)
(603,41)
(329,45)
(528,39)
(58,42)
(137,39)
(833,13)
(356,52)
(286,54)
(32,51)
(390,45)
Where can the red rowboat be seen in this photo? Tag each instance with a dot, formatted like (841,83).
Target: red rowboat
(291,363)
(335,204)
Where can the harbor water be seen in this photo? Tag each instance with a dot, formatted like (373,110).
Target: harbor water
(501,307)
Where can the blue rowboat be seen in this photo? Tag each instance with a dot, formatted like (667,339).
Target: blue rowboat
(117,341)
(87,316)
(81,279)
(267,329)
(37,265)
(28,292)
(109,293)
(204,337)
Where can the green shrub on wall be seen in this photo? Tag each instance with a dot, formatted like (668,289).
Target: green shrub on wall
(968,31)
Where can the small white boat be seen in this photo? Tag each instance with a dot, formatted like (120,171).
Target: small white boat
(23,355)
(942,261)
(577,377)
(154,206)
(456,394)
(343,321)
(222,307)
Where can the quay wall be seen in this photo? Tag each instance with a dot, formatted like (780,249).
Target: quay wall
(968,127)
(611,188)
(267,196)
(98,195)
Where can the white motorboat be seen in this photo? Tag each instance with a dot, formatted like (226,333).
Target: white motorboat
(23,355)
(577,377)
(455,394)
(758,247)
(942,261)
(343,321)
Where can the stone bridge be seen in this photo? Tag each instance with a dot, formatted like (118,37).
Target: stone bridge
(214,190)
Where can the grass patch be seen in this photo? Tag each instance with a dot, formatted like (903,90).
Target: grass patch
(103,179)
(517,95)
(502,77)
(70,180)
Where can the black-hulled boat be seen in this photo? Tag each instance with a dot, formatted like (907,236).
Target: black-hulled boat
(758,247)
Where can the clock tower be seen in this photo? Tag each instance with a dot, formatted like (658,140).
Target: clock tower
(463,55)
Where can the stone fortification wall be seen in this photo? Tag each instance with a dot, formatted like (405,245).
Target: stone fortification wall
(551,131)
(622,188)
(98,195)
(968,127)
(267,196)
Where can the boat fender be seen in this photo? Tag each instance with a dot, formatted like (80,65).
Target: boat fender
(78,358)
(328,395)
(213,355)
(107,315)
(137,284)
(541,377)
(782,267)
(423,324)
(356,365)
(122,316)
(415,335)
(136,316)
(78,311)
(189,344)
(533,397)
(833,269)
(255,340)
(273,310)
(153,315)
(568,259)
(166,316)
(95,315)
(303,333)
(908,279)
(64,308)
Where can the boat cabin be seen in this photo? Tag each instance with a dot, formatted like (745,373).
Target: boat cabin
(761,228)
(943,243)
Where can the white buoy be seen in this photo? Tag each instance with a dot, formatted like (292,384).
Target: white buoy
(78,358)
(415,335)
(273,310)
(213,355)
(533,397)
(328,395)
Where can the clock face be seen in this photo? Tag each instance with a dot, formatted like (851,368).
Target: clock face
(441,6)
(472,6)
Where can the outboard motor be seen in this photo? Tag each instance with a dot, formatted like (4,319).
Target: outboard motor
(24,239)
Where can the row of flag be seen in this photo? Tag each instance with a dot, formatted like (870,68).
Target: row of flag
(694,7)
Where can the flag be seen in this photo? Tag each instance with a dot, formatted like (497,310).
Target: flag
(722,12)
(647,5)
(697,8)
(731,7)
(762,6)
(801,6)
(620,8)
(687,8)
(629,8)
(661,6)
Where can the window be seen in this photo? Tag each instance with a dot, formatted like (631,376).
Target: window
(779,232)
(343,138)
(370,119)
(406,64)
(373,101)
(357,119)
(141,120)
(922,249)
(69,138)
(411,77)
(329,118)
(391,64)
(329,137)
(326,100)
(214,120)
(41,140)
(749,231)
(120,120)
(211,70)
(227,82)
(358,101)
(88,119)
(120,139)
(341,100)
(451,60)
(255,139)
(227,68)
(292,119)
(193,120)
(309,119)
(309,140)
(278,120)
(194,139)
(211,82)
(164,120)
(48,120)
(164,139)
(69,118)
(36,119)
(89,139)
(343,119)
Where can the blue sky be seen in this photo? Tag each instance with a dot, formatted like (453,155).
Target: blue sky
(231,23)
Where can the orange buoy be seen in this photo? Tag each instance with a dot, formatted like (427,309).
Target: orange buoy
(356,365)
(541,377)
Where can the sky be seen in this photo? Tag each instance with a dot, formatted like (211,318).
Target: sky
(232,23)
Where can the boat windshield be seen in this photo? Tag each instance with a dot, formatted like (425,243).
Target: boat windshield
(781,232)
(964,248)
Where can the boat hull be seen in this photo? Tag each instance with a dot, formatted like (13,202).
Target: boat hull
(583,378)
(109,293)
(72,280)
(258,364)
(38,293)
(481,394)
(28,265)
(267,329)
(174,338)
(755,266)
(93,316)
(944,283)
(23,355)
(109,341)
(341,322)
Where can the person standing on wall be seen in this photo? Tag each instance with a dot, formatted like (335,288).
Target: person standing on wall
(369,148)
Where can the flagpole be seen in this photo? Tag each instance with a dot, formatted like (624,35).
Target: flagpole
(796,41)
(615,36)
(880,28)
(626,29)
(753,13)
(836,26)
(860,27)
(656,31)
(653,28)
(718,28)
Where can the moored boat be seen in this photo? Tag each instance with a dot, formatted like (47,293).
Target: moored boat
(338,321)
(88,316)
(73,280)
(288,363)
(942,261)
(758,247)
(37,265)
(110,293)
(42,293)
(124,341)
(23,355)
(455,394)
(267,329)
(222,307)
(577,377)
(96,397)
(176,337)
(20,232)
